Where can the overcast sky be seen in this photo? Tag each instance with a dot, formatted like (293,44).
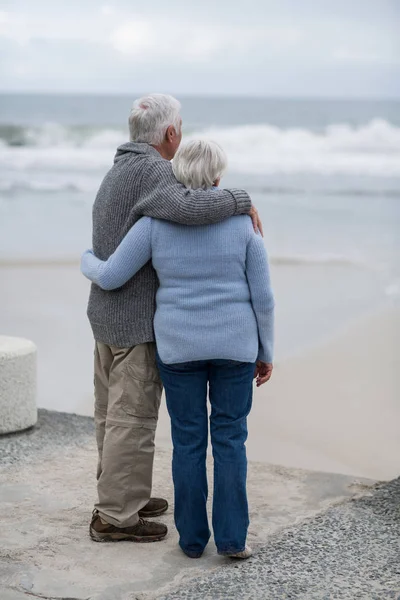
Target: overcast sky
(259,47)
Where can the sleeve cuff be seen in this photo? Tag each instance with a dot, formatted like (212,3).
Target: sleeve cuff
(264,356)
(243,201)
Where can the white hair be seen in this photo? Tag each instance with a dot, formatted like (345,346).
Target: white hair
(151,116)
(199,163)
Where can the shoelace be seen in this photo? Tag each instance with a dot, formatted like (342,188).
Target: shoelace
(140,522)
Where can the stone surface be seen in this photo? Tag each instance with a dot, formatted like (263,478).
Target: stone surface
(53,433)
(47,490)
(17,384)
(350,552)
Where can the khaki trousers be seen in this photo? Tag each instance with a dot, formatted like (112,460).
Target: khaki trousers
(127,399)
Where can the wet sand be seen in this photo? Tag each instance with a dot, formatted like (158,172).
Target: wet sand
(336,407)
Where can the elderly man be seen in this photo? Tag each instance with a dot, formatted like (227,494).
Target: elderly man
(127,383)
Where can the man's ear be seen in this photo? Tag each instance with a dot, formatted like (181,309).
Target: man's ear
(170,133)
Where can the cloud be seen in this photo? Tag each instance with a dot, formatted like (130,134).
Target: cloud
(133,37)
(14,27)
(167,40)
(376,54)
(23,28)
(107,10)
(198,46)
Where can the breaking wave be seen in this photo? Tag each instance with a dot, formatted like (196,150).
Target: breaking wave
(372,149)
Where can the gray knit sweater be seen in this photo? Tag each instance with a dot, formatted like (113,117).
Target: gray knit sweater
(141,183)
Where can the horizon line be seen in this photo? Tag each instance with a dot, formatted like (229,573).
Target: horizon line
(205,95)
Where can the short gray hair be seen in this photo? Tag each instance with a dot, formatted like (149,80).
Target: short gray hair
(199,163)
(151,116)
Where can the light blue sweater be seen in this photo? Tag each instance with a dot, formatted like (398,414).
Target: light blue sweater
(215,298)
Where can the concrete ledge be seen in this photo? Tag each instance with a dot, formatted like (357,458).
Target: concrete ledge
(17,384)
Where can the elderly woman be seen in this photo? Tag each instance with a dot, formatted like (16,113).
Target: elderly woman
(213,326)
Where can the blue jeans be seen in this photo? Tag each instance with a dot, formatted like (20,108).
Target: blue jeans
(230,392)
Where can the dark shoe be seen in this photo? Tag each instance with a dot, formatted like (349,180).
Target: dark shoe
(154,508)
(142,531)
(192,554)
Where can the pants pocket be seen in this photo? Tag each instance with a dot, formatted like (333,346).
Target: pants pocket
(142,386)
(102,361)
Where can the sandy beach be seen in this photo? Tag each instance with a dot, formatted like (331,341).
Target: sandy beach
(337,407)
(334,408)
(331,405)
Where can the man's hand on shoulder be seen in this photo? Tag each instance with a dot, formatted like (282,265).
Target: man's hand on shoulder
(255,217)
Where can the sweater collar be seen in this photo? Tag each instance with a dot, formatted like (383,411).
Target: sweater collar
(135,148)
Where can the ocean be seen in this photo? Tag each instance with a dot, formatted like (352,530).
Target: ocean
(324,174)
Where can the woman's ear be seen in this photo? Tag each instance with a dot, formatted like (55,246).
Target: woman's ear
(217,182)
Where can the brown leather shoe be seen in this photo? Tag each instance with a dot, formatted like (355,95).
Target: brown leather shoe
(142,531)
(154,508)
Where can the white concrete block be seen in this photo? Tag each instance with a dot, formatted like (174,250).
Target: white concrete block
(17,384)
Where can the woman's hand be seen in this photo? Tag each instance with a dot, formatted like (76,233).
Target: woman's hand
(263,372)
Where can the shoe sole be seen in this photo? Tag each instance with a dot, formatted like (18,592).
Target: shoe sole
(124,537)
(154,513)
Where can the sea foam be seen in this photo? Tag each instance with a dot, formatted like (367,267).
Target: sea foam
(372,149)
